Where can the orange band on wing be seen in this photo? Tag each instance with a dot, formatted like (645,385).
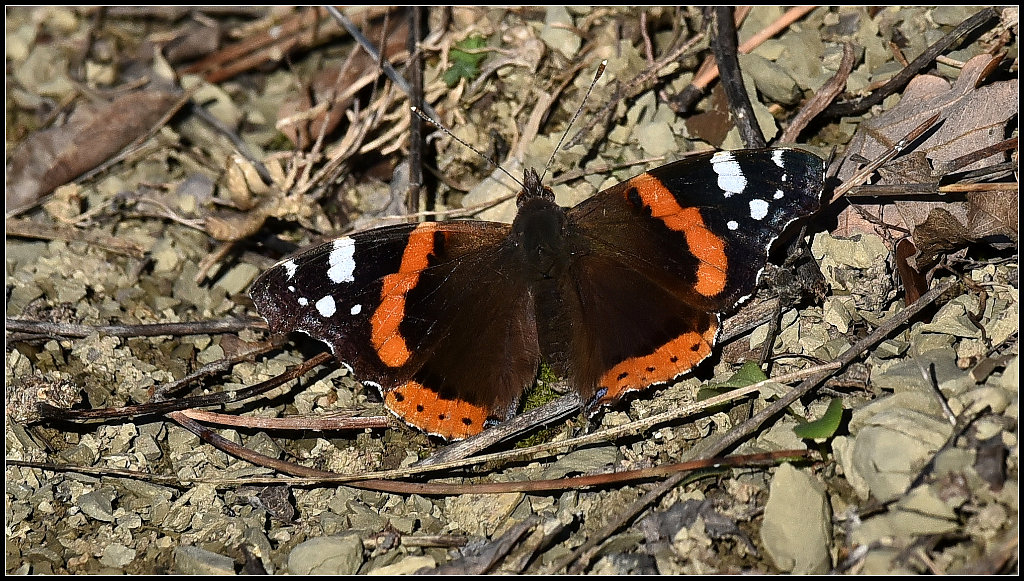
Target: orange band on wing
(385,336)
(452,419)
(668,361)
(706,246)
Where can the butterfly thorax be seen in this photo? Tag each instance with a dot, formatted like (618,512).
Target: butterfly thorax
(538,237)
(540,240)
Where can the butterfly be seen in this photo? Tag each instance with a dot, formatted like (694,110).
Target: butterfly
(451,320)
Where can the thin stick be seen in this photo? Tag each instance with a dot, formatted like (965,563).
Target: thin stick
(865,172)
(628,90)
(856,350)
(858,106)
(315,424)
(829,91)
(143,330)
(368,46)
(157,407)
(723,44)
(706,75)
(23,228)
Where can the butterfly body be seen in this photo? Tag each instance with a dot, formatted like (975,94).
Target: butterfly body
(622,291)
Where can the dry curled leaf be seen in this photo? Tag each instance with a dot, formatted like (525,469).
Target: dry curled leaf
(228,226)
(989,217)
(914,283)
(940,233)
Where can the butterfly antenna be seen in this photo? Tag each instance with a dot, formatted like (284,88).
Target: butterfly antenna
(597,75)
(487,158)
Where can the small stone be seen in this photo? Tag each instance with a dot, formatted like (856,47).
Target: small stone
(558,32)
(98,504)
(327,556)
(238,278)
(656,138)
(195,561)
(797,539)
(117,555)
(407,566)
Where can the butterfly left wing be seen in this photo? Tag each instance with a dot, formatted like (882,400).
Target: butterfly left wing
(426,312)
(691,238)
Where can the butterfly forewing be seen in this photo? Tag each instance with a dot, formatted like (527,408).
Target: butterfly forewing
(704,224)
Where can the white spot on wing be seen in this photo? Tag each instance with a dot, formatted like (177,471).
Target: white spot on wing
(303,301)
(356,309)
(326,306)
(779,194)
(730,175)
(732,224)
(342,261)
(777,158)
(289,268)
(758,209)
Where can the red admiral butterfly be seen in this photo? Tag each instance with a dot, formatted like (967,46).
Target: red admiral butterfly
(451,320)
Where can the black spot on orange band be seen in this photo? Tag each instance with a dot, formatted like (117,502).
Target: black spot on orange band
(666,362)
(422,407)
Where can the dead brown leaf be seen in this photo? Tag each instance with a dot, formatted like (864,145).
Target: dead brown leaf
(988,217)
(193,40)
(991,214)
(714,124)
(914,283)
(938,234)
(973,117)
(53,157)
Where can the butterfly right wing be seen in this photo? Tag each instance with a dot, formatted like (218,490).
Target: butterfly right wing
(662,255)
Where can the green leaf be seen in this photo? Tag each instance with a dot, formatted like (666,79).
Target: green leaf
(464,65)
(749,374)
(825,426)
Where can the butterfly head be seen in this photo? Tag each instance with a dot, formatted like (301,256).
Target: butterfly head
(533,189)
